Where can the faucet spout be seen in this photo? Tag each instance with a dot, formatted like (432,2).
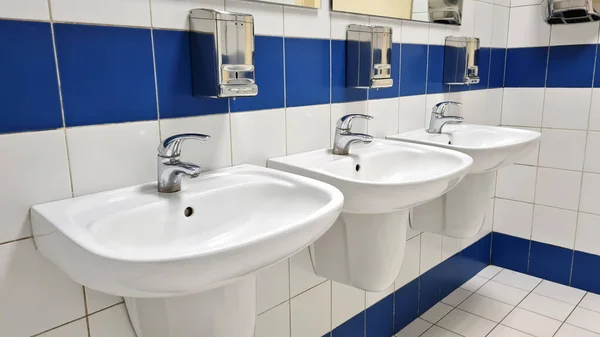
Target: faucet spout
(170,168)
(439,118)
(344,137)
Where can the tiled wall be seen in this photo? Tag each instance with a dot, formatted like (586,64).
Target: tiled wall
(547,216)
(88,87)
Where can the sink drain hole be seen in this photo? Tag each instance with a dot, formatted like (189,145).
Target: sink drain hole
(357,167)
(188,212)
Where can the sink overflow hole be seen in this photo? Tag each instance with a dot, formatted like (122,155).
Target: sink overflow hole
(188,212)
(449,142)
(357,167)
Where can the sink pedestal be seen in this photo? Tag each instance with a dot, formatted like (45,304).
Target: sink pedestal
(461,212)
(225,311)
(362,250)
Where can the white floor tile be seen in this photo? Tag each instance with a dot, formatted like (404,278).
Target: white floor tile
(436,331)
(531,323)
(584,318)
(591,301)
(572,331)
(547,306)
(518,280)
(474,283)
(502,292)
(74,329)
(415,328)
(504,331)
(96,300)
(466,324)
(559,292)
(456,297)
(113,322)
(486,307)
(436,313)
(489,272)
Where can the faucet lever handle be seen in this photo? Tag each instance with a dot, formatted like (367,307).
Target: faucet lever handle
(345,123)
(171,147)
(440,108)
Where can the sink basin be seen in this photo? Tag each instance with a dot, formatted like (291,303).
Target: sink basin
(491,147)
(220,229)
(380,181)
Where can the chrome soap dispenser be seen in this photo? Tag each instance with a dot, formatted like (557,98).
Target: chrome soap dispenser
(461,60)
(369,57)
(222,51)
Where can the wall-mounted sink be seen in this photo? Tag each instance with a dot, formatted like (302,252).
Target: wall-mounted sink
(380,181)
(461,212)
(185,261)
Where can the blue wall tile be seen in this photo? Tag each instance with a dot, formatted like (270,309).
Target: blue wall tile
(29,97)
(497,59)
(526,67)
(380,318)
(406,305)
(429,289)
(354,327)
(413,69)
(550,262)
(393,90)
(484,69)
(571,66)
(452,273)
(435,73)
(340,93)
(174,78)
(268,57)
(510,252)
(107,74)
(586,274)
(306,71)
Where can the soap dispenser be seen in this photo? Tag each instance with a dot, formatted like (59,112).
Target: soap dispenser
(369,57)
(222,51)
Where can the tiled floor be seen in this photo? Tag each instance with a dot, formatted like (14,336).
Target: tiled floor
(502,303)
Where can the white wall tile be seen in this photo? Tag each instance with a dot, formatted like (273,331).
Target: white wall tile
(24,9)
(302,275)
(557,188)
(412,113)
(307,128)
(450,246)
(484,18)
(410,264)
(341,109)
(554,226)
(588,232)
(523,106)
(468,18)
(500,28)
(433,99)
(415,32)
(513,218)
(532,323)
(310,312)
(519,3)
(560,100)
(113,322)
(340,22)
(563,149)
(307,22)
(112,12)
(210,155)
(272,286)
(346,301)
(75,329)
(385,117)
(530,158)
(124,155)
(96,300)
(592,149)
(174,14)
(590,193)
(257,136)
(274,323)
(574,34)
(516,182)
(504,3)
(268,18)
(438,33)
(594,122)
(374,297)
(494,107)
(36,296)
(431,251)
(38,173)
(526,29)
(474,106)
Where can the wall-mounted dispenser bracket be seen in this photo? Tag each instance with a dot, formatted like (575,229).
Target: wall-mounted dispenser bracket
(369,57)
(222,51)
(461,60)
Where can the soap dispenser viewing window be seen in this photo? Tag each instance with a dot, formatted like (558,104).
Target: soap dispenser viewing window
(369,57)
(222,51)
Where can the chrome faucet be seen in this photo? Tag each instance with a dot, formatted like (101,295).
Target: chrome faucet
(344,136)
(439,118)
(170,168)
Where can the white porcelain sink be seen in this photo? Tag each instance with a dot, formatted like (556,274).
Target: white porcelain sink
(461,212)
(380,182)
(220,229)
(491,147)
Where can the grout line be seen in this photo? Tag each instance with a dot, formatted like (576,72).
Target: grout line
(565,321)
(154,70)
(16,240)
